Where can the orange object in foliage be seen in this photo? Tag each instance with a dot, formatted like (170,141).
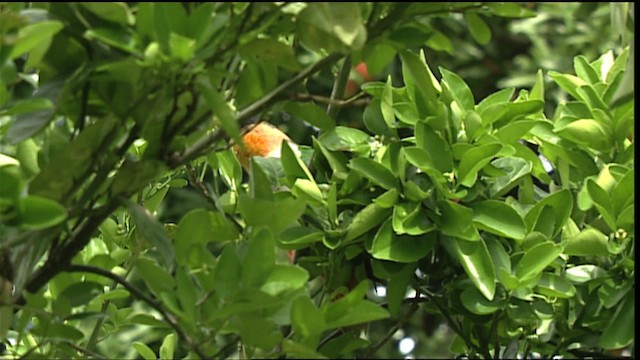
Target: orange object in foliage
(265,140)
(359,75)
(262,139)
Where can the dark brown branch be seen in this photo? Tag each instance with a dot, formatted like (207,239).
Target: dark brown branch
(169,318)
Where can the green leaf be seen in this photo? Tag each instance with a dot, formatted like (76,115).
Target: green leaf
(476,261)
(36,114)
(498,218)
(458,89)
(585,71)
(388,199)
(587,133)
(620,332)
(194,227)
(274,51)
(182,47)
(167,347)
(386,104)
(438,149)
(562,204)
(308,190)
(478,28)
(475,302)
(568,83)
(220,108)
(620,195)
(374,119)
(368,218)
(514,169)
(474,160)
(422,77)
(537,259)
(285,277)
(501,262)
(397,287)
(611,293)
(157,279)
(343,344)
(144,350)
(300,351)
(117,12)
(228,272)
(506,112)
(440,42)
(152,230)
(555,286)
(259,332)
(331,27)
(115,37)
(40,213)
(260,258)
(259,212)
(602,201)
(221,227)
(500,97)
(583,273)
(306,319)
(510,10)
(589,242)
(410,218)
(312,114)
(457,221)
(34,35)
(345,139)
(387,245)
(352,310)
(375,172)
(294,167)
(299,237)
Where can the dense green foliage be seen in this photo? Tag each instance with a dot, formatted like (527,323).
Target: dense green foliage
(127,219)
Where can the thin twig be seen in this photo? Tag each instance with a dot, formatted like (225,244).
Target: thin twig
(337,93)
(393,330)
(169,317)
(83,350)
(353,101)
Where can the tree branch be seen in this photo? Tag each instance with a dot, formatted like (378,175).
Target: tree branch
(202,144)
(337,93)
(372,350)
(353,101)
(170,319)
